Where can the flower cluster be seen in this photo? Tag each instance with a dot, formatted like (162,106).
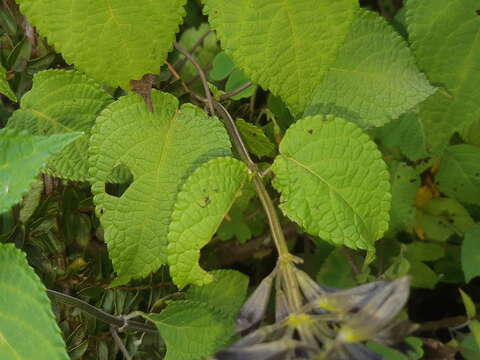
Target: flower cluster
(330,324)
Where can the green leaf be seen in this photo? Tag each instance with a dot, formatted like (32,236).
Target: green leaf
(153,147)
(191,330)
(22,157)
(422,275)
(474,326)
(201,205)
(121,41)
(336,271)
(222,66)
(374,78)
(4,86)
(225,293)
(284,46)
(333,181)
(236,79)
(386,351)
(435,28)
(469,304)
(407,134)
(61,102)
(424,251)
(443,217)
(459,173)
(471,253)
(28,329)
(405,183)
(204,54)
(256,140)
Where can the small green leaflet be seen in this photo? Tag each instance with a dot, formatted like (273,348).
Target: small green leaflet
(114,41)
(333,181)
(374,78)
(407,134)
(405,183)
(459,173)
(28,329)
(277,43)
(4,86)
(443,217)
(203,323)
(471,253)
(153,147)
(257,142)
(201,205)
(21,158)
(435,28)
(222,66)
(61,102)
(225,293)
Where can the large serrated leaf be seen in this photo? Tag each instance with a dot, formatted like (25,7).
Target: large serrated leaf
(285,46)
(4,86)
(201,205)
(435,28)
(459,173)
(333,181)
(28,329)
(21,158)
(161,149)
(61,102)
(191,330)
(374,78)
(114,41)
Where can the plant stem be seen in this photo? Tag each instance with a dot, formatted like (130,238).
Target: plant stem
(101,315)
(236,91)
(197,66)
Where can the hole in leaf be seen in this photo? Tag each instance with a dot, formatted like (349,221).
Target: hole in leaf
(119,181)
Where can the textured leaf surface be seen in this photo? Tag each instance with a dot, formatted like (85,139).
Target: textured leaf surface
(225,293)
(407,134)
(201,205)
(333,181)
(285,46)
(191,330)
(374,78)
(256,140)
(28,329)
(114,41)
(405,183)
(21,158)
(471,253)
(4,86)
(161,150)
(61,102)
(445,37)
(459,173)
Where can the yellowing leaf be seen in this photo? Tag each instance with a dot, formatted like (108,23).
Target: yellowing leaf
(201,205)
(161,149)
(114,41)
(333,181)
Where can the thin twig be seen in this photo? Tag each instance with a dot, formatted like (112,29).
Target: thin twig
(101,315)
(200,72)
(119,343)
(236,91)
(181,63)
